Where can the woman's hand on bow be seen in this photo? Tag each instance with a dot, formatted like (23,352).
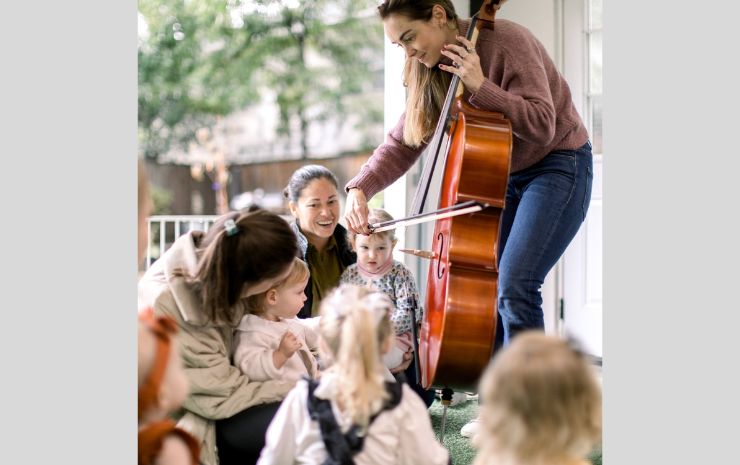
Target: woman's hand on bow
(356,211)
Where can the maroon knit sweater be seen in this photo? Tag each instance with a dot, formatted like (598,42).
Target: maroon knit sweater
(522,82)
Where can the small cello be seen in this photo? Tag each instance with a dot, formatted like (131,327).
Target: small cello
(468,158)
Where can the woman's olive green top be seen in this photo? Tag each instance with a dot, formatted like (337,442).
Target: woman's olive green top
(326,267)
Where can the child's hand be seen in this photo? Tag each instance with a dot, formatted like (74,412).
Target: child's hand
(407,359)
(289,344)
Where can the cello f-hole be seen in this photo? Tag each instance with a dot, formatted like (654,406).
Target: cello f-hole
(440,268)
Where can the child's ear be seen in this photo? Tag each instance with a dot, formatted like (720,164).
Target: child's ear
(271,296)
(393,243)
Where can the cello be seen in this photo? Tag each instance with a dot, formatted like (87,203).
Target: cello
(467,162)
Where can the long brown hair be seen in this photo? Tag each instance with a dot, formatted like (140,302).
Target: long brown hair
(427,87)
(262,246)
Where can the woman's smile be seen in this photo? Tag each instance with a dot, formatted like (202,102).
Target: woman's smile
(327,224)
(317,211)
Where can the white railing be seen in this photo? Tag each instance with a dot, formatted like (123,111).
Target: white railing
(163,230)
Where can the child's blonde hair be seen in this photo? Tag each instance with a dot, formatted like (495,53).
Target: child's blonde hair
(355,323)
(540,403)
(375,215)
(298,273)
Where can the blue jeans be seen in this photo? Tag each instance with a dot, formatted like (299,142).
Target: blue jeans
(545,205)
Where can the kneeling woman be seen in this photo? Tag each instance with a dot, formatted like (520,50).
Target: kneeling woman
(201,282)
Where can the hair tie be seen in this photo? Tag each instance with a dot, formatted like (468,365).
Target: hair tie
(230,227)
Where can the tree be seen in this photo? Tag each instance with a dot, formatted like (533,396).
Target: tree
(199,60)
(348,45)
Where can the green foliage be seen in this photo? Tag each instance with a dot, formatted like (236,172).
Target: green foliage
(162,200)
(377,201)
(202,59)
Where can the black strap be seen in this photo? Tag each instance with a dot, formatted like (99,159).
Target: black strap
(342,447)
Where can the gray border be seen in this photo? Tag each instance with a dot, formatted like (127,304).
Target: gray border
(670,259)
(68,110)
(69,120)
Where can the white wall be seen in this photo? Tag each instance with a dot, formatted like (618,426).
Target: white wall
(462,8)
(536,15)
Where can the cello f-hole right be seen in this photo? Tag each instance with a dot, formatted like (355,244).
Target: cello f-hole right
(440,268)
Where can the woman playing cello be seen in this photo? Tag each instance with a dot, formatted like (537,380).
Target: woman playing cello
(506,70)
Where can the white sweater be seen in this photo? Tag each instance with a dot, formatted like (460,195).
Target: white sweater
(257,338)
(401,436)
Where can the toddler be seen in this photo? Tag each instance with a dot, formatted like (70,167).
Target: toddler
(162,390)
(270,342)
(376,267)
(540,403)
(356,413)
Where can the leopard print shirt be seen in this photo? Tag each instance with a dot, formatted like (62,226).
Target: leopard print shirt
(398,284)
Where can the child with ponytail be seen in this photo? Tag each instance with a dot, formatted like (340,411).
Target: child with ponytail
(376,267)
(356,412)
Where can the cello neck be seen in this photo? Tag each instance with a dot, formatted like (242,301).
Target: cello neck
(433,159)
(436,161)
(473,38)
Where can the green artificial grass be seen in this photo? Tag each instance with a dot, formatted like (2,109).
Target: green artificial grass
(461,449)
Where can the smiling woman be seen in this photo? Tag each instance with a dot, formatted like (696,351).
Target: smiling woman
(313,200)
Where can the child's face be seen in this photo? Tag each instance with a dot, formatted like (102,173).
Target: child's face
(287,301)
(373,251)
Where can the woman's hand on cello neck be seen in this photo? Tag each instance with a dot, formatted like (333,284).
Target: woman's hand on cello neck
(356,211)
(466,64)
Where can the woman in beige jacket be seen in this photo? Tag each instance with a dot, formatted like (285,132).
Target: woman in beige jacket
(201,282)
